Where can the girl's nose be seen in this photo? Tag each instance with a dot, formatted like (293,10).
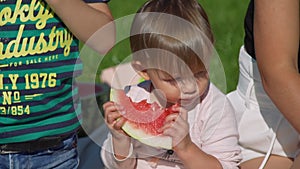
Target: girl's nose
(188,86)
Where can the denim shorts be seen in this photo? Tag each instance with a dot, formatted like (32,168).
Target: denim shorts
(262,128)
(62,157)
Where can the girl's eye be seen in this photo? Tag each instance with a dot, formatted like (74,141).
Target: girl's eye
(171,81)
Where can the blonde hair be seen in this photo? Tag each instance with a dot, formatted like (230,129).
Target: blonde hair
(166,29)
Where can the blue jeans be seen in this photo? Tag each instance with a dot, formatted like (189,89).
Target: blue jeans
(64,157)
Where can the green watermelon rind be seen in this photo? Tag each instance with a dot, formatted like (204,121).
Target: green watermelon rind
(159,141)
(148,139)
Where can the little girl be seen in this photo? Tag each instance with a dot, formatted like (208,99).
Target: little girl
(172,43)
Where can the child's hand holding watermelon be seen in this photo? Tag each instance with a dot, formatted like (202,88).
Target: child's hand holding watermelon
(177,127)
(114,122)
(114,119)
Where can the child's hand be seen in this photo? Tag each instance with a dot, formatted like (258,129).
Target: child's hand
(114,120)
(177,127)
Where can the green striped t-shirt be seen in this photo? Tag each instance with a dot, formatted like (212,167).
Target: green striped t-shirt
(38,62)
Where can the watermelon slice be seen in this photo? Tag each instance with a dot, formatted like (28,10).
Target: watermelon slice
(143,120)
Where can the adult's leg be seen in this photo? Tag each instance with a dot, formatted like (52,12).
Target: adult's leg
(274,162)
(65,156)
(4,161)
(296,164)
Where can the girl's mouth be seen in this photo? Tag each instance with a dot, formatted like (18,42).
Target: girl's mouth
(189,103)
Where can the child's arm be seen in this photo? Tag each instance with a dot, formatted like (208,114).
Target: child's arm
(190,154)
(120,146)
(85,19)
(219,135)
(194,158)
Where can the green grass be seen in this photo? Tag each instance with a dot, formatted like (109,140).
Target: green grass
(227,21)
(226,18)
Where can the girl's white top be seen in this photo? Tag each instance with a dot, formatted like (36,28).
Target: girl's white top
(212,128)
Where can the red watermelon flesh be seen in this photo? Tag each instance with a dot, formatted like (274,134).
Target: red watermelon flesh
(143,119)
(151,127)
(141,112)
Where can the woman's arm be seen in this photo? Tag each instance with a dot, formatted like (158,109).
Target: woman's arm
(276,34)
(85,19)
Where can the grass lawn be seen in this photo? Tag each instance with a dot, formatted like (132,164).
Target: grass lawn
(226,18)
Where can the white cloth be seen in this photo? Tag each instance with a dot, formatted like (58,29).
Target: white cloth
(212,128)
(258,118)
